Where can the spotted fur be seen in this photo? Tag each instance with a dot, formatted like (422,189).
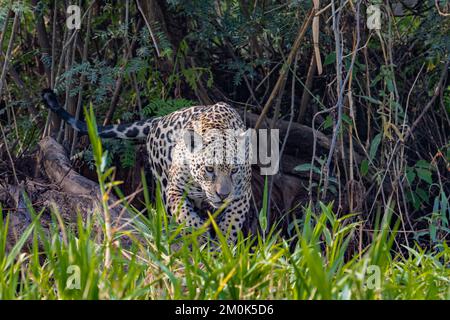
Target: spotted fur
(186,155)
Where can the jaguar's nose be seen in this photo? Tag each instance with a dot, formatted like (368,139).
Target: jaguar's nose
(222,196)
(223,187)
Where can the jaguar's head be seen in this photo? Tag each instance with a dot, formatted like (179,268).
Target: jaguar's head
(220,163)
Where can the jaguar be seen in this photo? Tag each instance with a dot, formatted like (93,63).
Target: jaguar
(198,155)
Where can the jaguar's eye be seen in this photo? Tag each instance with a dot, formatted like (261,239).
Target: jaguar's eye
(234,170)
(209,169)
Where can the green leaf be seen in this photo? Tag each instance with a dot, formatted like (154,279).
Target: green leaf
(374,146)
(104,161)
(306,167)
(422,194)
(414,199)
(410,175)
(328,123)
(330,58)
(422,164)
(436,205)
(364,169)
(390,85)
(444,205)
(346,119)
(433,232)
(425,175)
(263,213)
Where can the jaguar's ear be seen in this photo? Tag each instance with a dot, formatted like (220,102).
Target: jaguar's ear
(192,140)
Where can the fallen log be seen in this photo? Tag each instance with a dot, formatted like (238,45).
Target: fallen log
(59,171)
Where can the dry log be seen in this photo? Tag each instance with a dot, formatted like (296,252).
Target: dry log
(60,172)
(64,191)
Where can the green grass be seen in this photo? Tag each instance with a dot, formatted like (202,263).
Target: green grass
(161,261)
(317,267)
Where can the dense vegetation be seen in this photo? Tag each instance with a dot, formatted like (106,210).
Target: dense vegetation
(371,216)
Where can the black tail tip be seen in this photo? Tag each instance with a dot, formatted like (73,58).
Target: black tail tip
(47,92)
(49,98)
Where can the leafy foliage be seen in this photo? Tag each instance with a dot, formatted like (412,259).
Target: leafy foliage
(162,107)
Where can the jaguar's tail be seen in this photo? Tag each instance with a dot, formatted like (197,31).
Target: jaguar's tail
(135,130)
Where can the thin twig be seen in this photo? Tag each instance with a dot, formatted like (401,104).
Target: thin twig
(149,28)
